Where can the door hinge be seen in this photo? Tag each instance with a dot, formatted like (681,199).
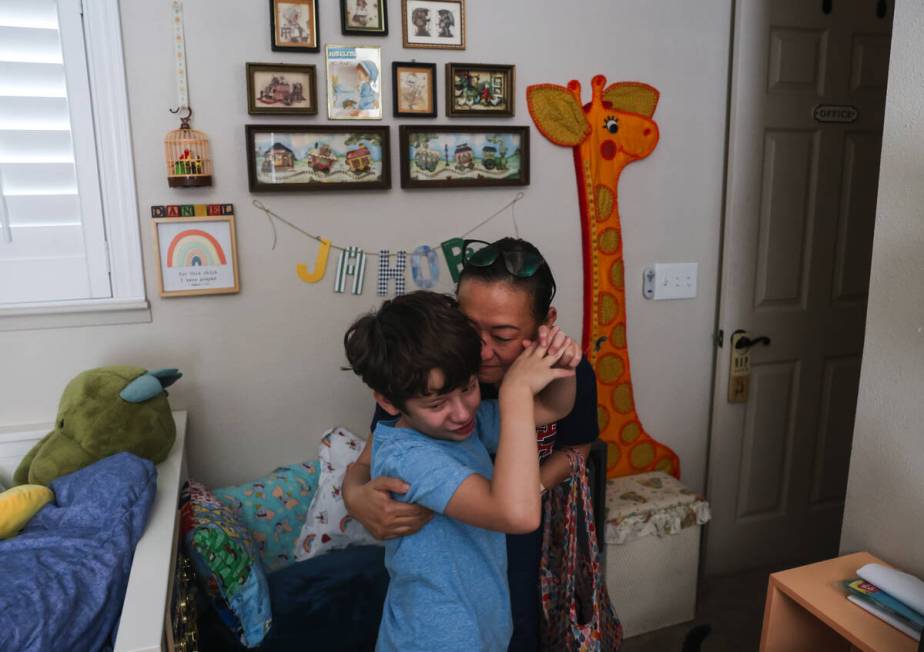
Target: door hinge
(719,337)
(106,258)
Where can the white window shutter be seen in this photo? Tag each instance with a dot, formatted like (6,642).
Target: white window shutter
(52,232)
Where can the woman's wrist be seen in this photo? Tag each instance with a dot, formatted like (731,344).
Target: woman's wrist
(554,470)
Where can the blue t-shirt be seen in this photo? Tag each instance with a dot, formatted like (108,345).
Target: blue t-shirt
(448,589)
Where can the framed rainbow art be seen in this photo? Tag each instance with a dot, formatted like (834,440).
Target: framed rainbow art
(198,255)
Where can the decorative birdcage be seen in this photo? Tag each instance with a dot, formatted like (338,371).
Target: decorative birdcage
(186,151)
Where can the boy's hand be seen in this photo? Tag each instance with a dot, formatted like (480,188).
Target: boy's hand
(537,366)
(557,341)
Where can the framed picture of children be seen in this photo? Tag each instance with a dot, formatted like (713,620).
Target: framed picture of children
(294,25)
(463,156)
(479,90)
(433,24)
(280,88)
(197,255)
(363,17)
(414,88)
(288,158)
(354,82)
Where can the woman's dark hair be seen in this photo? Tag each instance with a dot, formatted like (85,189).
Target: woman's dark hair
(540,286)
(395,349)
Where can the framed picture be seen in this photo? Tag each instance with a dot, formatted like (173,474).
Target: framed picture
(414,88)
(197,255)
(300,157)
(453,157)
(281,88)
(433,24)
(354,82)
(294,25)
(474,89)
(363,17)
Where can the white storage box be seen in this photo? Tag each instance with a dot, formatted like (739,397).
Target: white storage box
(652,550)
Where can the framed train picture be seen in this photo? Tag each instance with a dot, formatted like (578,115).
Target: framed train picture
(197,255)
(281,88)
(463,156)
(284,158)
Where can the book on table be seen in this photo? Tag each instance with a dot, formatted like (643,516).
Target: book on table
(882,615)
(881,604)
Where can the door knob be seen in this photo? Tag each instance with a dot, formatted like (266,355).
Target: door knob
(745,342)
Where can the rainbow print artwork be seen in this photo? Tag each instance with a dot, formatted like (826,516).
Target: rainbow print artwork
(195,248)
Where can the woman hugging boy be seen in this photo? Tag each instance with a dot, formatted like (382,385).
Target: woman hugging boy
(421,357)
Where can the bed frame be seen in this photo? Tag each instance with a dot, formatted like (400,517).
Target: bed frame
(145,620)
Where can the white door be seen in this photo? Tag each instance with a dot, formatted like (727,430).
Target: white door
(807,101)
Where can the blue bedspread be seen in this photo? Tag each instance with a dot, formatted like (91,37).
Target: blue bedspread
(63,579)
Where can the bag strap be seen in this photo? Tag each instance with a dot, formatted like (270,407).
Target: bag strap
(561,503)
(581,485)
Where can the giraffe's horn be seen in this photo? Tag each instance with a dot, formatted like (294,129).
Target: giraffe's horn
(598,83)
(575,87)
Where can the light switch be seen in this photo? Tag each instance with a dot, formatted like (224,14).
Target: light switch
(669,281)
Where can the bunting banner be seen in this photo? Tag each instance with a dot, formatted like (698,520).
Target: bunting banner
(420,253)
(351,260)
(452,251)
(387,273)
(320,265)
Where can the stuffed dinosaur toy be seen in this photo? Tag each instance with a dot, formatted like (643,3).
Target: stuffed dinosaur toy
(102,412)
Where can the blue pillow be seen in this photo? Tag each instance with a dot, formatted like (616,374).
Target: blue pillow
(273,509)
(226,563)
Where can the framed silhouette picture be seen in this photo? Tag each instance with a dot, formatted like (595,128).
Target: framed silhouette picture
(433,24)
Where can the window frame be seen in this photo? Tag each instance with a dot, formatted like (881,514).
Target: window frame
(102,41)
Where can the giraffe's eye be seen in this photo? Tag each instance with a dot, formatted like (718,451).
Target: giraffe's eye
(611,124)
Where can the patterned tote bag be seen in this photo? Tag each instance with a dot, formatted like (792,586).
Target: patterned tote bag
(577,614)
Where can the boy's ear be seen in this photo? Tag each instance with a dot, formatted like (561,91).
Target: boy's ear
(385,404)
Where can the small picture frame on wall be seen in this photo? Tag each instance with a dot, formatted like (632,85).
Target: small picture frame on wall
(354,82)
(294,25)
(414,88)
(196,255)
(364,17)
(281,89)
(463,156)
(479,90)
(433,24)
(286,158)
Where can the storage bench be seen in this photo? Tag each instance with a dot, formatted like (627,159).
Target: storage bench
(652,538)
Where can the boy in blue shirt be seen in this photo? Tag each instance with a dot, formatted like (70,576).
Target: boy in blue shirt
(420,355)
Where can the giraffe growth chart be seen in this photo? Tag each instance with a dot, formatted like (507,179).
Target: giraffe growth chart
(611,131)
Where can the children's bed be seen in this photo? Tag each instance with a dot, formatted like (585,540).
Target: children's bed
(149,599)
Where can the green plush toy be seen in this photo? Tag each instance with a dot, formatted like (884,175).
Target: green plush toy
(102,412)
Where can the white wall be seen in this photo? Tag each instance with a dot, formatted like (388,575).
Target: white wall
(262,378)
(884,512)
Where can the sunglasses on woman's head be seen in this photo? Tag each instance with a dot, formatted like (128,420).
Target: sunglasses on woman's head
(522,264)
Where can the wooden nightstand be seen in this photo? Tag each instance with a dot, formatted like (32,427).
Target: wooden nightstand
(806,610)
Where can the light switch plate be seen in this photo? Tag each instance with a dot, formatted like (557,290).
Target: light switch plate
(670,281)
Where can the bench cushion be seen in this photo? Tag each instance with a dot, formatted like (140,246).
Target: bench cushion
(650,503)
